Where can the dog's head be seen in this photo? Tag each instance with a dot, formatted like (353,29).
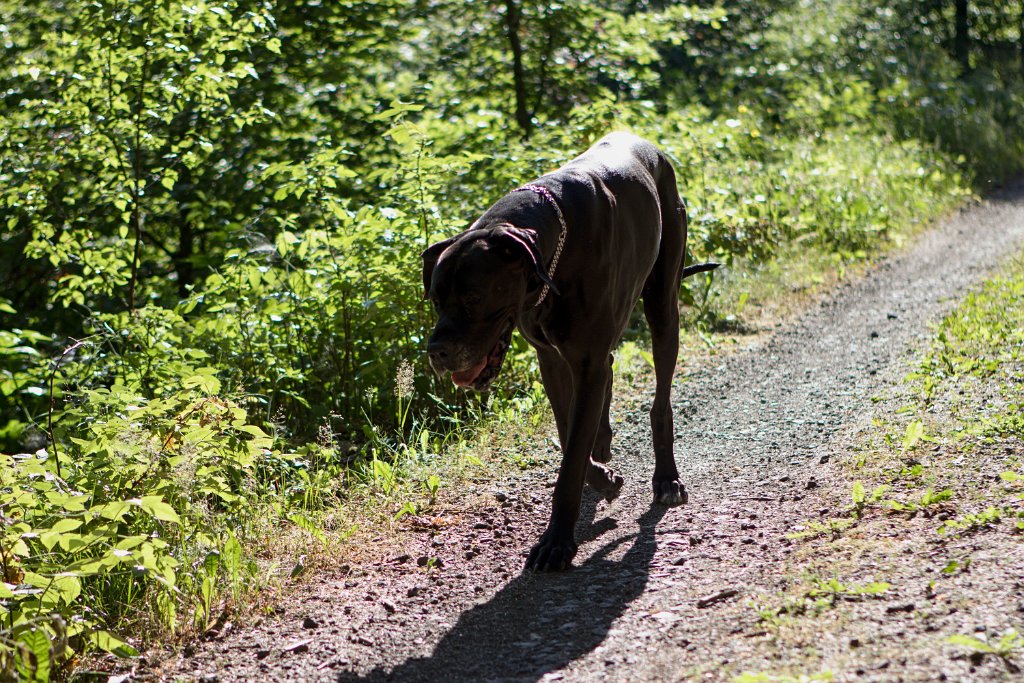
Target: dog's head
(478,281)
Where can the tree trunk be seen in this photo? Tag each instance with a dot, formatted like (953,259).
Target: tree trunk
(961,40)
(1020,35)
(183,256)
(512,17)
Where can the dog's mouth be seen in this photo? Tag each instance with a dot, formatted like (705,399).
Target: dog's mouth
(482,373)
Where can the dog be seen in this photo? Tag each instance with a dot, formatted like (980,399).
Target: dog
(565,259)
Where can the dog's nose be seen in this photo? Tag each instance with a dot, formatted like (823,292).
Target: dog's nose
(437,353)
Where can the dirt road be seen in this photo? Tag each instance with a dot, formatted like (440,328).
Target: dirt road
(656,594)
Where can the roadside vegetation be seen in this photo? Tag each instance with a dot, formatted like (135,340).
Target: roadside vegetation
(933,522)
(211,323)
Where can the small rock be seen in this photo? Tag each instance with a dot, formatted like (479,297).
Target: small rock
(413,591)
(310,622)
(500,496)
(812,484)
(389,606)
(874,335)
(823,459)
(209,678)
(481,525)
(854,642)
(262,653)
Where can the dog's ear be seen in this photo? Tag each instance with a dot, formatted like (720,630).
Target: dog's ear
(430,256)
(523,242)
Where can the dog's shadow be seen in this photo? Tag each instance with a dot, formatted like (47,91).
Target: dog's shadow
(539,623)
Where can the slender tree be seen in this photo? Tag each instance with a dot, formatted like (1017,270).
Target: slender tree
(512,22)
(961,39)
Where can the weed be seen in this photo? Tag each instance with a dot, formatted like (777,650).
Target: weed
(861,499)
(832,528)
(760,677)
(929,503)
(1006,647)
(973,522)
(820,595)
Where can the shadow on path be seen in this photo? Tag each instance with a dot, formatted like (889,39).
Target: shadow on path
(539,623)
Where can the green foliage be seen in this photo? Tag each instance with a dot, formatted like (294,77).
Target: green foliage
(820,595)
(970,377)
(760,677)
(928,502)
(1006,647)
(861,499)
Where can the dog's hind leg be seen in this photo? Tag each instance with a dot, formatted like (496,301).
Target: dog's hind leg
(600,478)
(603,445)
(661,308)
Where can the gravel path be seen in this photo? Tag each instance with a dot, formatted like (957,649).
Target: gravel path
(656,594)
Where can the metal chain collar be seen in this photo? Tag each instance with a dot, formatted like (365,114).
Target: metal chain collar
(546,194)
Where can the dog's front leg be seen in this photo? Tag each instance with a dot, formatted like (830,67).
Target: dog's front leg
(557,546)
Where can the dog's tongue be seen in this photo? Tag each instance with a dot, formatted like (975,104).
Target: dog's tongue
(466,377)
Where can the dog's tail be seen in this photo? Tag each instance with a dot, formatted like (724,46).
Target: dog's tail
(699,268)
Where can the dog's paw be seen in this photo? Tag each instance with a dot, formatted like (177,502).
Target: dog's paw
(603,480)
(551,555)
(670,492)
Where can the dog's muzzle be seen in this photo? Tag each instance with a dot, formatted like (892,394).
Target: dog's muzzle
(481,373)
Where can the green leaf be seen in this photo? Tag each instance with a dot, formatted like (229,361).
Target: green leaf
(253,430)
(68,587)
(306,524)
(231,554)
(207,383)
(970,642)
(913,434)
(156,506)
(108,642)
(38,643)
(858,492)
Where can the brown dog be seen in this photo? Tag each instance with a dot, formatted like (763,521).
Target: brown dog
(565,259)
